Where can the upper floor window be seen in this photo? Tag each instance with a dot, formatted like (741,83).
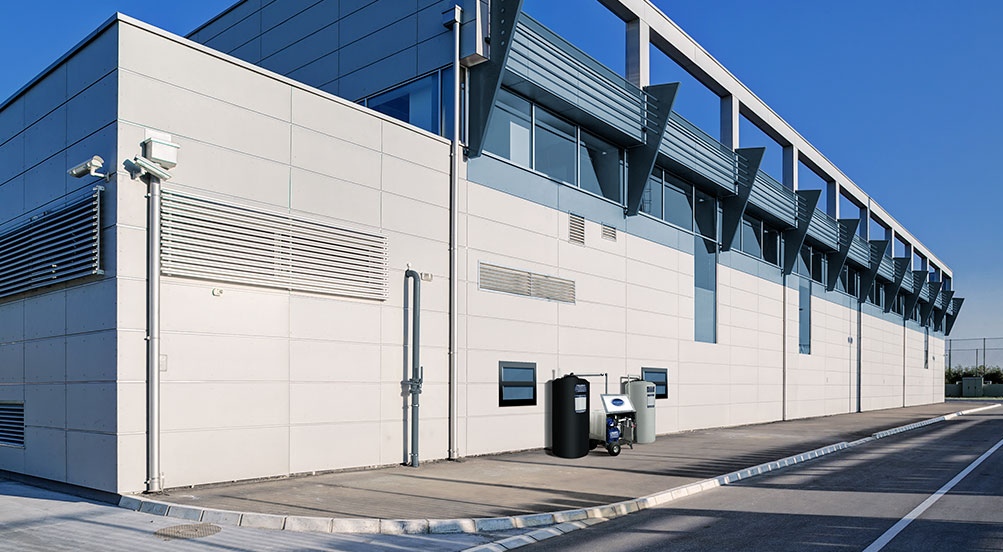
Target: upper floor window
(416,103)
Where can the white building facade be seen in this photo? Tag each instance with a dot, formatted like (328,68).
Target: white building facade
(596,232)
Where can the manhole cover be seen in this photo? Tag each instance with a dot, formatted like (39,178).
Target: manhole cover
(192,531)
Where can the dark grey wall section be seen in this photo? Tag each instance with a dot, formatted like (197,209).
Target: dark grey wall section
(352,48)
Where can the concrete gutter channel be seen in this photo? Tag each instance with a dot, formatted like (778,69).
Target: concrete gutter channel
(549,524)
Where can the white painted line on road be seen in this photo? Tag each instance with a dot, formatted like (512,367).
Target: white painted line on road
(918,510)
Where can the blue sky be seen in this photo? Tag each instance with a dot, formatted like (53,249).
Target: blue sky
(902,96)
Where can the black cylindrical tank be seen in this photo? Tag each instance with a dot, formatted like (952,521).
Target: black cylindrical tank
(570,417)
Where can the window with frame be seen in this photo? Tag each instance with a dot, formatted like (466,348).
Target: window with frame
(771,245)
(516,383)
(704,290)
(416,103)
(660,377)
(752,236)
(804,316)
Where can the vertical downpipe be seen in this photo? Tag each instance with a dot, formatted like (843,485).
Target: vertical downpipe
(414,384)
(451,19)
(405,384)
(783,348)
(860,350)
(153,479)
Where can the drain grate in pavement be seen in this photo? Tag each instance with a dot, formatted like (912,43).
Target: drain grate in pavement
(192,531)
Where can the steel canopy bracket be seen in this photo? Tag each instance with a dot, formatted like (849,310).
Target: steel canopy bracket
(952,318)
(901,265)
(919,280)
(926,309)
(486,77)
(867,277)
(794,238)
(733,207)
(938,314)
(641,159)
(847,229)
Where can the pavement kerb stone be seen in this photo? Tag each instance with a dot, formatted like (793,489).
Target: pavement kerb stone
(555,522)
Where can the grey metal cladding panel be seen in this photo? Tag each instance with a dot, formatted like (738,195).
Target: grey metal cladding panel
(235,15)
(860,252)
(300,54)
(277,12)
(886,269)
(924,292)
(381,44)
(824,229)
(542,58)
(692,148)
(299,27)
(907,282)
(237,35)
(373,17)
(318,73)
(379,76)
(773,198)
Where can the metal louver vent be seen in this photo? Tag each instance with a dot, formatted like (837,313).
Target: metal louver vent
(609,232)
(525,283)
(576,228)
(12,424)
(213,240)
(55,246)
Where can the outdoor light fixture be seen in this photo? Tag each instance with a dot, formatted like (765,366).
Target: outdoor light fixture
(89,168)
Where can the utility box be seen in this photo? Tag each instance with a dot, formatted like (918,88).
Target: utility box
(972,386)
(642,394)
(570,417)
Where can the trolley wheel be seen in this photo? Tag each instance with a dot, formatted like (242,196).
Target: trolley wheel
(593,444)
(614,449)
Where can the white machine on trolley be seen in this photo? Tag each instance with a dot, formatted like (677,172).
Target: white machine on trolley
(610,425)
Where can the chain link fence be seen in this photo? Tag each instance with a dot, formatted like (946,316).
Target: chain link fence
(974,357)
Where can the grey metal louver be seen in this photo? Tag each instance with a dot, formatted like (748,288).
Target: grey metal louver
(609,232)
(55,246)
(525,283)
(12,424)
(214,240)
(576,228)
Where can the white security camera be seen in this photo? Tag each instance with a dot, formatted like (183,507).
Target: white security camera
(151,168)
(88,168)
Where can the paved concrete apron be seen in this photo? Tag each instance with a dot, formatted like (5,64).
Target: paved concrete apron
(532,482)
(844,501)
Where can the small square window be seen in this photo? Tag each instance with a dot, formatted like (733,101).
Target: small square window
(516,383)
(660,377)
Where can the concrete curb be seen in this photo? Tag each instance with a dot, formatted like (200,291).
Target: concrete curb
(550,524)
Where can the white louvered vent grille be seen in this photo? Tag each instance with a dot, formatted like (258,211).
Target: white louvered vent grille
(525,283)
(213,240)
(55,246)
(12,424)
(609,232)
(576,228)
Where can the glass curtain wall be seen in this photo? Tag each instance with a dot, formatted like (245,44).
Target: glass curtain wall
(532,137)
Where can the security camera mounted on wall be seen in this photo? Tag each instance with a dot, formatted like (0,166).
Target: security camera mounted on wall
(89,168)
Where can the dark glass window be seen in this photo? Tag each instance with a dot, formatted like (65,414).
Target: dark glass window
(771,245)
(817,266)
(600,167)
(678,202)
(752,236)
(804,316)
(510,133)
(660,377)
(705,290)
(803,263)
(841,282)
(651,200)
(516,383)
(555,147)
(851,281)
(416,103)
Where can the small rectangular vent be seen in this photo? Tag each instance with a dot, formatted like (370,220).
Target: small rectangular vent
(576,228)
(12,424)
(216,240)
(525,283)
(58,245)
(609,232)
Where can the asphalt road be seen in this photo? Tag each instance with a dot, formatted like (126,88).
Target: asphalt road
(846,501)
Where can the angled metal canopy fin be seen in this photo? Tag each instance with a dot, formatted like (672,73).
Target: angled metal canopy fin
(733,207)
(794,238)
(867,277)
(919,280)
(641,159)
(952,318)
(847,229)
(901,265)
(486,77)
(926,309)
(938,314)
